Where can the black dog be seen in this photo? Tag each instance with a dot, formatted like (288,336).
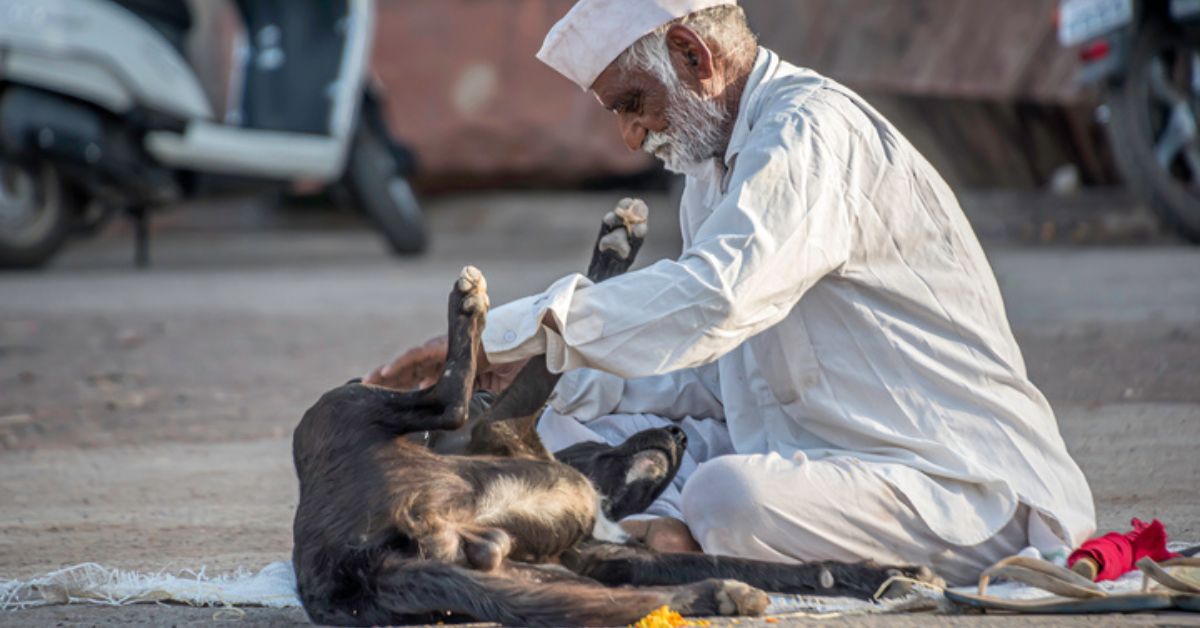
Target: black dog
(442,504)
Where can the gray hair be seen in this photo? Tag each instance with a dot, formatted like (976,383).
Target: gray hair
(723,27)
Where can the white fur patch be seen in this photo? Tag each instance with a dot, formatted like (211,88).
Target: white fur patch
(508,497)
(605,529)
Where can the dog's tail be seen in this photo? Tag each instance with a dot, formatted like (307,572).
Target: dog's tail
(429,592)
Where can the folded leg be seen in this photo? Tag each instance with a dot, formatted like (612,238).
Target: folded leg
(791,510)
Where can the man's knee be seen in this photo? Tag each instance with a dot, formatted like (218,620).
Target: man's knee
(722,504)
(768,507)
(720,487)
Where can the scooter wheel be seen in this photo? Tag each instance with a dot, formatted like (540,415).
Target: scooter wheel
(36,211)
(1155,110)
(380,189)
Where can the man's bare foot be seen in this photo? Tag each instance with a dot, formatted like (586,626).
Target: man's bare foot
(665,534)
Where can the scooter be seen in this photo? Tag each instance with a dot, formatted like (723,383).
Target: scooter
(100,110)
(1145,54)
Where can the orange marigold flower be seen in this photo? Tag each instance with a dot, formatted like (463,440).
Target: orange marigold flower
(664,617)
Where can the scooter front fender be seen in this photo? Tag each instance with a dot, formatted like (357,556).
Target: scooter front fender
(98,51)
(74,77)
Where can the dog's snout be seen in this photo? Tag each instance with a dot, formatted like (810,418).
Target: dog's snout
(678,434)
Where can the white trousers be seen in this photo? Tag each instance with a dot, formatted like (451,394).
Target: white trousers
(768,507)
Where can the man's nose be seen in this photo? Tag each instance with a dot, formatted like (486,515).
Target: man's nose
(633,132)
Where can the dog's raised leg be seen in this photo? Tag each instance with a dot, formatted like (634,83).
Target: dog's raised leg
(445,405)
(467,312)
(622,232)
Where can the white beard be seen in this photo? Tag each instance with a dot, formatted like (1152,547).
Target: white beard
(697,130)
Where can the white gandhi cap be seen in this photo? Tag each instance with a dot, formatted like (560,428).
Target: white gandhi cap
(595,32)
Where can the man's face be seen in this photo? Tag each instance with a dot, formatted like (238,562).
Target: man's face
(668,119)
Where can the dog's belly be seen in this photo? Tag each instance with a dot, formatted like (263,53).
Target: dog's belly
(545,507)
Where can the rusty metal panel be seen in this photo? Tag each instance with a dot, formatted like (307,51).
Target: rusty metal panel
(998,50)
(464,86)
(962,78)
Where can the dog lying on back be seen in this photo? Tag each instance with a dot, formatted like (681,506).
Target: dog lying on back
(443,504)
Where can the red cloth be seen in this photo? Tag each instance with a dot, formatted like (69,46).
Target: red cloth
(1116,553)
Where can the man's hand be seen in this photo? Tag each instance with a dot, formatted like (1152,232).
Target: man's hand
(420,367)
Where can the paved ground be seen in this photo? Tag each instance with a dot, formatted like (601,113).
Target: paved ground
(145,415)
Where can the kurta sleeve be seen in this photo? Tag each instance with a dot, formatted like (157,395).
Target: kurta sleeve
(588,394)
(782,225)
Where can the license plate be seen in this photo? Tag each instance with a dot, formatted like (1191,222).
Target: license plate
(1082,20)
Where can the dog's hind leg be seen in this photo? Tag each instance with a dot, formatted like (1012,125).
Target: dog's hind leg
(445,405)
(408,590)
(615,565)
(468,305)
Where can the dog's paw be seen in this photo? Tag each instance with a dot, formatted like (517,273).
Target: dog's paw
(633,214)
(472,286)
(899,581)
(721,597)
(739,598)
(625,223)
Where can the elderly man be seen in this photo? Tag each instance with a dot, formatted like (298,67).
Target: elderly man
(831,339)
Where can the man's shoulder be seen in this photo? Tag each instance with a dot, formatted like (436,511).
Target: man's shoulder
(795,95)
(790,87)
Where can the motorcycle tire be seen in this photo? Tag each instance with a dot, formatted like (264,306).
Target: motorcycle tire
(380,189)
(1138,117)
(37,208)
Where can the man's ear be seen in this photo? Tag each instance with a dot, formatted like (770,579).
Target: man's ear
(689,54)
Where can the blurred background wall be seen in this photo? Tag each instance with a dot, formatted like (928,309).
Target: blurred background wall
(982,88)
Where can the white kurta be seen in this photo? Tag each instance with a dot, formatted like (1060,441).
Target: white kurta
(831,300)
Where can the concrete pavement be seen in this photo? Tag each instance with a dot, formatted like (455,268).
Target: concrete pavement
(145,416)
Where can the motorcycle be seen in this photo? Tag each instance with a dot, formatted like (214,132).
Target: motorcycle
(1145,54)
(100,110)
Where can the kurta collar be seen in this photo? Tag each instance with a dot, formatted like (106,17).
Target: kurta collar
(766,63)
